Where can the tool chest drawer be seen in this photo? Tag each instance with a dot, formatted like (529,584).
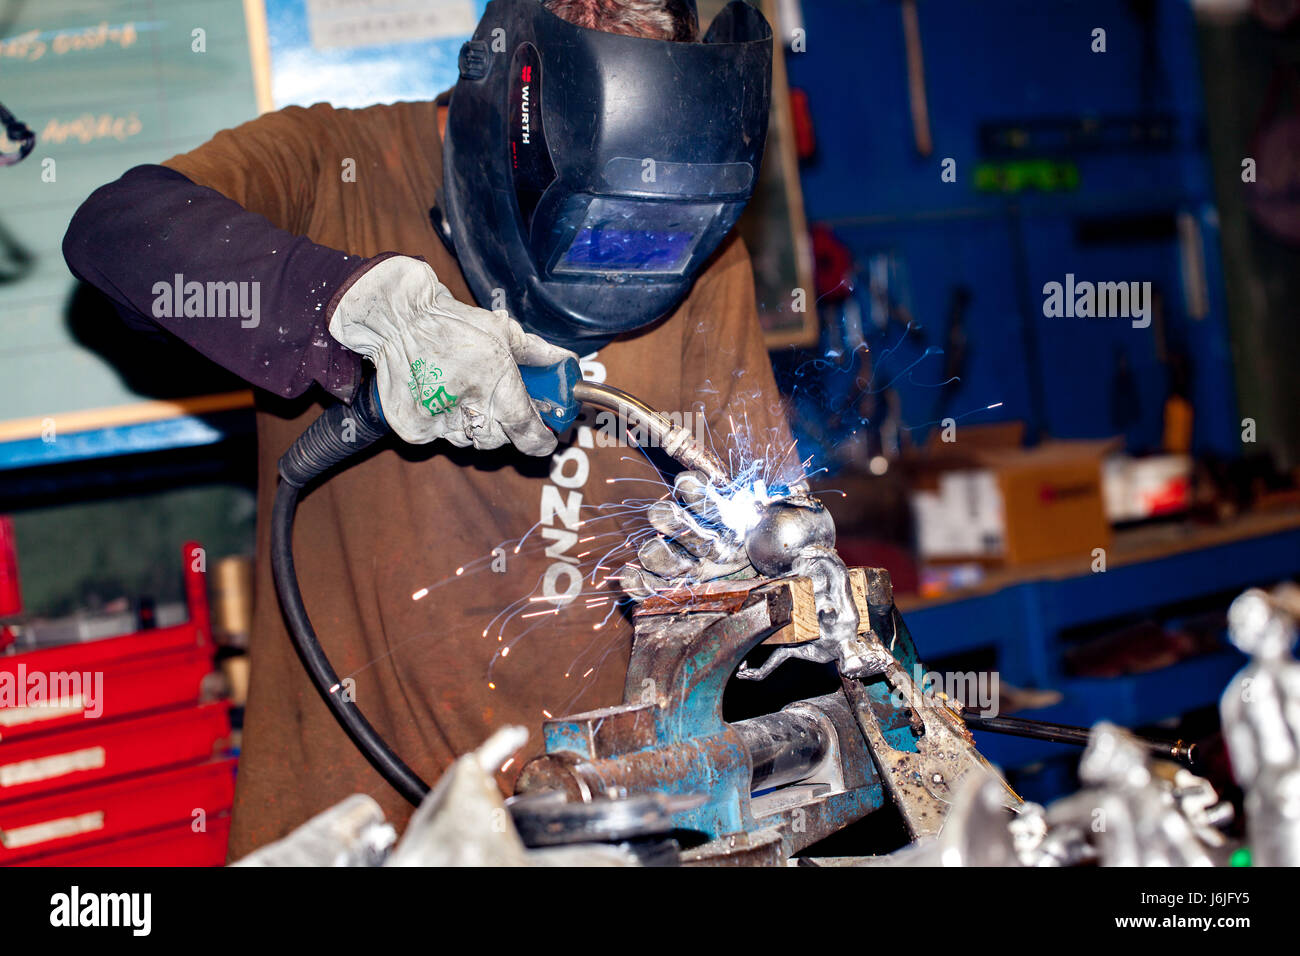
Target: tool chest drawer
(99,750)
(73,819)
(174,845)
(60,687)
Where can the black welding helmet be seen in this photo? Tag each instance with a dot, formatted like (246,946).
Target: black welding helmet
(588,176)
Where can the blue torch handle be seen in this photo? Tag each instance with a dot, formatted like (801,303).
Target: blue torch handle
(551,387)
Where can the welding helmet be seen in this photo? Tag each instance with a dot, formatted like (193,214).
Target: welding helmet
(588,176)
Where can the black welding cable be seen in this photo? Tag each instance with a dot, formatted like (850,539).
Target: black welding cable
(338,434)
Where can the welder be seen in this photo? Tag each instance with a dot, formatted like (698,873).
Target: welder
(595,157)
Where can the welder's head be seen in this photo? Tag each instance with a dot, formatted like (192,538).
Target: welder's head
(652,19)
(596,154)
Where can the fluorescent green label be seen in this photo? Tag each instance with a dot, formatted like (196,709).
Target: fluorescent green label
(428,389)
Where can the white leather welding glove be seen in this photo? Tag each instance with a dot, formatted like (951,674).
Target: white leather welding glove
(444,369)
(692,546)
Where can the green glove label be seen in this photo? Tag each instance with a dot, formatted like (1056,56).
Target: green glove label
(427,388)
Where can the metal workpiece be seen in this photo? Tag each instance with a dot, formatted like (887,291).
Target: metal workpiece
(796,535)
(785,529)
(675,441)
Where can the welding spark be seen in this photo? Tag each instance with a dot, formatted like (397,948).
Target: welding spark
(955,418)
(554,610)
(729,512)
(740,508)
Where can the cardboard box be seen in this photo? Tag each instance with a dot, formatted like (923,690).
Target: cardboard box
(985,498)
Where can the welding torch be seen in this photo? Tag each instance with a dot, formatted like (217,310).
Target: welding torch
(342,431)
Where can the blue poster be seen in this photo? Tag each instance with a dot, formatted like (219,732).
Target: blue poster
(356,53)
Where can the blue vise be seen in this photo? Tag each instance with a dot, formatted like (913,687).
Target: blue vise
(759,790)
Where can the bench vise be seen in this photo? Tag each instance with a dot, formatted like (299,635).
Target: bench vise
(758,791)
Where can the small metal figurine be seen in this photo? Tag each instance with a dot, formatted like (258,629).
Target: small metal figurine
(1261,722)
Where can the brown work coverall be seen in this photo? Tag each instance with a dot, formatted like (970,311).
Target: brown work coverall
(379,547)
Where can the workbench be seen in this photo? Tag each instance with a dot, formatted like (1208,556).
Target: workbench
(1021,614)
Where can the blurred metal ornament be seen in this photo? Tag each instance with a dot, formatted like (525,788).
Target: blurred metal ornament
(1260,713)
(1130,815)
(350,833)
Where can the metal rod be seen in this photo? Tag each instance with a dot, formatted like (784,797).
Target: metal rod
(1178,750)
(785,747)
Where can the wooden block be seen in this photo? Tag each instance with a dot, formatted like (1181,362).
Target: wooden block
(803,625)
(806,626)
(858,584)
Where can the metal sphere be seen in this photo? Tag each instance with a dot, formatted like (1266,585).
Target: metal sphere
(786,528)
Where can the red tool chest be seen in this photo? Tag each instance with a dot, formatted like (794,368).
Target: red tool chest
(111,761)
(134,679)
(99,751)
(95,814)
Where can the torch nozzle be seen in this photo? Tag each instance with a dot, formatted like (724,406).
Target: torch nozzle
(676,441)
